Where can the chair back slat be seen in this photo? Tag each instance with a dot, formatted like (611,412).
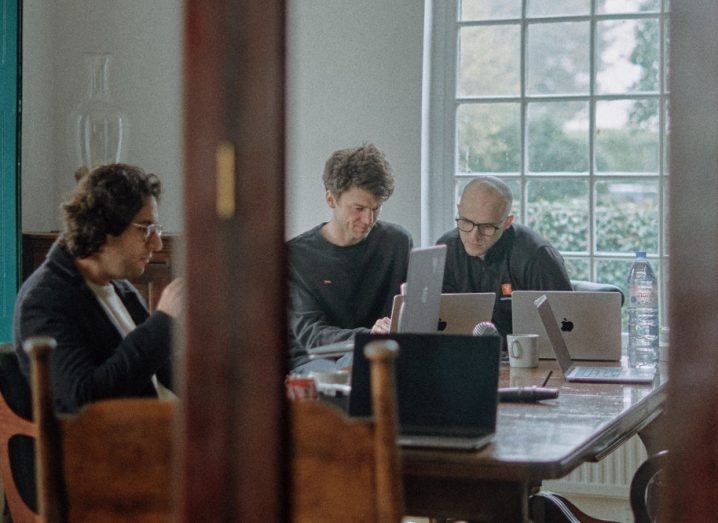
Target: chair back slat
(15,412)
(112,461)
(345,469)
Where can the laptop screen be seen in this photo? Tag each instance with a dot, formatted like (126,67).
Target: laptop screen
(446,384)
(425,276)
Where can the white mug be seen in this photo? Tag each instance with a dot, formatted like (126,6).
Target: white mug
(523,350)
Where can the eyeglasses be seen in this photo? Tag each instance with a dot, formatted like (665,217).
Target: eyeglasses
(485,229)
(149,229)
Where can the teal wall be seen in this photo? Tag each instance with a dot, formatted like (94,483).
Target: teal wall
(9,162)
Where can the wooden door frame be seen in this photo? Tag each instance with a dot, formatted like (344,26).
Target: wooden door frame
(692,410)
(232,437)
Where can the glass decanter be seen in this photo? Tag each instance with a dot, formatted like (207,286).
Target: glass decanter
(99,127)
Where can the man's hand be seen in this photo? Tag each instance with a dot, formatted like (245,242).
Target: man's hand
(381,326)
(172,298)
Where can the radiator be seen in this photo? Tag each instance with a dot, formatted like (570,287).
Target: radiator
(610,478)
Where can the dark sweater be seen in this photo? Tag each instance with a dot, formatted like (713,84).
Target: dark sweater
(521,258)
(338,291)
(92,361)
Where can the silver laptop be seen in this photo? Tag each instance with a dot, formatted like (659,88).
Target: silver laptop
(590,322)
(422,295)
(580,373)
(458,313)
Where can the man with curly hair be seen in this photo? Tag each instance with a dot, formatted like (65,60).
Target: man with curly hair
(344,273)
(108,346)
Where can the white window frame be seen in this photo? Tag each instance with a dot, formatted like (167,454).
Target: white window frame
(439,132)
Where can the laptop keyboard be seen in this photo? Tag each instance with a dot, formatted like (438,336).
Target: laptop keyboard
(596,372)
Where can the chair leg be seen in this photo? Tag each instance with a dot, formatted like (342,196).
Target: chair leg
(548,507)
(642,500)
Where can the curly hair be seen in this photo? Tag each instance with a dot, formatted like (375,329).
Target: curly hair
(104,202)
(365,167)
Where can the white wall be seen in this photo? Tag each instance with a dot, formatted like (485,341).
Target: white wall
(354,75)
(145,39)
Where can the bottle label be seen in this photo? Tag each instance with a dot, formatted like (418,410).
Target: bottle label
(642,295)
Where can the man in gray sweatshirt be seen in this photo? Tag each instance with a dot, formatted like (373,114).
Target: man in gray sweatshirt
(344,273)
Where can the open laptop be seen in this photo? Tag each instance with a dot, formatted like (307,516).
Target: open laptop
(458,313)
(424,279)
(590,322)
(446,388)
(580,373)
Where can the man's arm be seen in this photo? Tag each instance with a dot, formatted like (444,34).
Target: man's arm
(308,323)
(78,377)
(450,267)
(546,271)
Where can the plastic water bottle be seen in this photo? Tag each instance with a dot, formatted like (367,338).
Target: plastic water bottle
(642,313)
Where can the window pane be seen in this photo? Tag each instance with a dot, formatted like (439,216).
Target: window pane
(558,58)
(577,268)
(516,208)
(616,273)
(485,9)
(513,184)
(627,216)
(558,7)
(627,56)
(558,137)
(626,6)
(558,210)
(489,60)
(488,137)
(627,136)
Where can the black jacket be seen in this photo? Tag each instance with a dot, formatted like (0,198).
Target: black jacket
(92,360)
(521,260)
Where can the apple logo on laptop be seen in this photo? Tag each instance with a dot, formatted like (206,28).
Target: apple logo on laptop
(566,325)
(442,325)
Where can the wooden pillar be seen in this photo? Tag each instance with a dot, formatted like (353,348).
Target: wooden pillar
(233,434)
(692,412)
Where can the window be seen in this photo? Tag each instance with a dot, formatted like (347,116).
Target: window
(566,101)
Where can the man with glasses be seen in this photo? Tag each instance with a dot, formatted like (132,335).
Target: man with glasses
(108,346)
(487,252)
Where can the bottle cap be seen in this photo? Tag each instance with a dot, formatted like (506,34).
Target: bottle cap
(640,254)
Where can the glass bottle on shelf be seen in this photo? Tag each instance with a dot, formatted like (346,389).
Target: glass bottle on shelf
(99,127)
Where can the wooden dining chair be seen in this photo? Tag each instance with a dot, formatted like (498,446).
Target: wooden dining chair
(17,432)
(112,461)
(346,469)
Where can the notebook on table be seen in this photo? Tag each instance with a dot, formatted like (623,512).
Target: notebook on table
(447,388)
(590,322)
(584,373)
(458,313)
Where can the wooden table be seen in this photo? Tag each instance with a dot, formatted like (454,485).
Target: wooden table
(533,442)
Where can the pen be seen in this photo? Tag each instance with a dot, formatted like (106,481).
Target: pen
(547,378)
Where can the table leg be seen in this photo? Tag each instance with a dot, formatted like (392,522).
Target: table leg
(653,435)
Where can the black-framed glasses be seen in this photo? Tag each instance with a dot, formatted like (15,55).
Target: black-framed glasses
(485,229)
(149,229)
